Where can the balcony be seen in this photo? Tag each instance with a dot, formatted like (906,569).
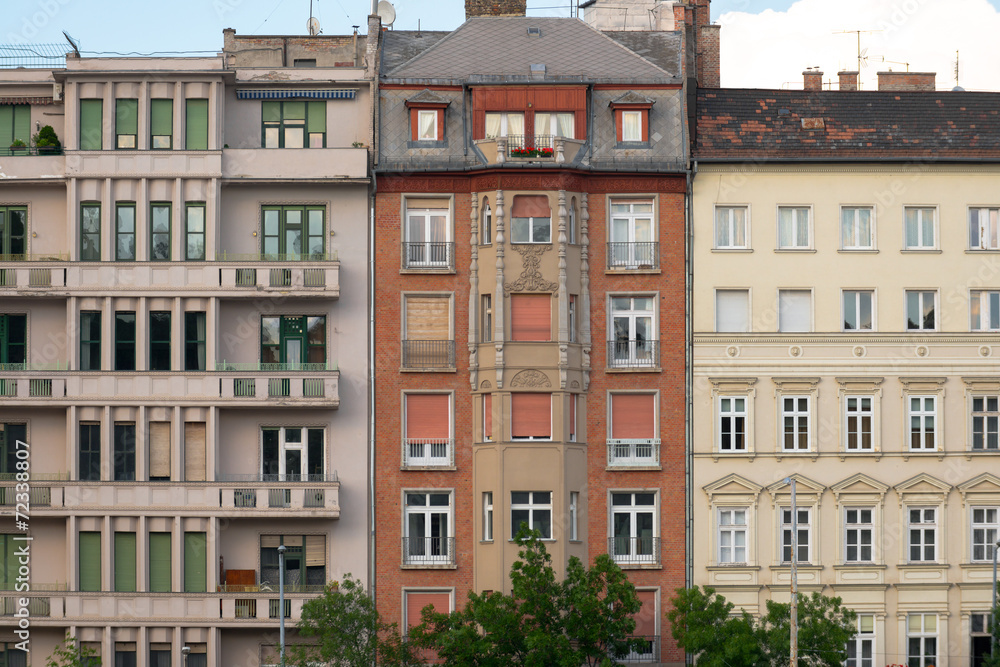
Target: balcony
(635,551)
(229,609)
(27,164)
(428,256)
(255,165)
(428,551)
(633,453)
(539,150)
(429,354)
(163,164)
(429,452)
(648,652)
(634,354)
(638,256)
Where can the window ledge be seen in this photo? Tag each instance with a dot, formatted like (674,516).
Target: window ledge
(869,452)
(795,250)
(924,566)
(627,271)
(425,468)
(442,369)
(860,566)
(798,566)
(981,251)
(444,271)
(862,251)
(429,566)
(622,145)
(626,468)
(981,565)
(716,455)
(486,541)
(736,250)
(633,369)
(918,251)
(638,566)
(729,567)
(427,143)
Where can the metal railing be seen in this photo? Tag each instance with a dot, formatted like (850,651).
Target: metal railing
(649,651)
(280,278)
(266,477)
(633,353)
(520,145)
(428,255)
(245,497)
(35,257)
(428,354)
(268,587)
(429,452)
(246,277)
(33,366)
(38,496)
(275,257)
(279,387)
(37,607)
(246,608)
(314,498)
(261,367)
(39,277)
(635,550)
(30,150)
(244,387)
(637,255)
(8,278)
(633,451)
(39,387)
(274,605)
(428,550)
(313,278)
(279,497)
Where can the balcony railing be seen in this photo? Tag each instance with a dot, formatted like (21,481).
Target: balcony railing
(635,550)
(429,452)
(633,353)
(37,607)
(636,255)
(428,354)
(35,257)
(268,587)
(276,257)
(625,452)
(428,255)
(267,478)
(30,150)
(428,550)
(649,651)
(259,367)
(538,146)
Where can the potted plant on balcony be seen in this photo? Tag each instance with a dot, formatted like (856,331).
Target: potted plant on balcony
(46,141)
(18,147)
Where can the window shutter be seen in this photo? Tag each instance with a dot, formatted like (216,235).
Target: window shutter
(317,117)
(645,618)
(159,449)
(415,602)
(270,541)
(194,452)
(197,125)
(294,111)
(159,562)
(530,317)
(6,126)
(487,416)
(633,416)
(126,116)
(91,121)
(731,310)
(161,117)
(427,318)
(22,123)
(90,561)
(315,550)
(125,562)
(793,310)
(427,416)
(8,555)
(531,415)
(195,559)
(531,206)
(270,112)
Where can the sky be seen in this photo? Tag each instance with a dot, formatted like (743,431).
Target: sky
(765,43)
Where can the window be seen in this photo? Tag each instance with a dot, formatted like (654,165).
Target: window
(159,563)
(794,311)
(574,515)
(124,340)
(861,647)
(732,423)
(292,341)
(9,563)
(530,317)
(572,318)
(572,417)
(90,452)
(858,315)
(159,654)
(159,232)
(161,123)
(124,451)
(919,228)
(487,417)
(531,416)
(13,339)
(15,123)
(985,423)
(91,124)
(486,318)
(159,341)
(9,436)
(984,533)
(571,238)
(124,562)
(427,125)
(530,219)
(158,445)
(90,561)
(294,232)
(795,420)
(428,239)
(920,310)
(923,413)
(125,654)
(731,227)
(632,243)
(90,341)
(506,125)
(793,228)
(194,452)
(428,528)
(487,516)
(922,534)
(732,310)
(632,126)
(554,125)
(125,232)
(294,124)
(921,640)
(196,124)
(126,123)
(984,308)
(292,454)
(194,227)
(634,341)
(194,341)
(90,232)
(984,229)
(427,337)
(803,530)
(198,656)
(428,438)
(13,223)
(196,559)
(980,627)
(859,413)
(732,535)
(533,508)
(634,527)
(858,531)
(486,228)
(633,430)
(416,601)
(856,228)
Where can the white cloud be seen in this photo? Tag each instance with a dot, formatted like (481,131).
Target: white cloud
(771,49)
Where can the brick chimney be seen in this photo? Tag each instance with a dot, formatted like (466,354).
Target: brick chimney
(495,8)
(848,80)
(812,79)
(908,81)
(701,41)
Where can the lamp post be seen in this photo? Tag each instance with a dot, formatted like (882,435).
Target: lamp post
(185,650)
(795,579)
(281,602)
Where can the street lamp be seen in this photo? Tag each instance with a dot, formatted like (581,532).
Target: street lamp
(185,650)
(795,579)
(281,601)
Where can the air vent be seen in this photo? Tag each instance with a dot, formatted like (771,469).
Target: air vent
(534,32)
(537,71)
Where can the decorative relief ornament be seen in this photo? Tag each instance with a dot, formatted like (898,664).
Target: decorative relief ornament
(531,279)
(486,385)
(530,378)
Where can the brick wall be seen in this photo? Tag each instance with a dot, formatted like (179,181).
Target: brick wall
(906,81)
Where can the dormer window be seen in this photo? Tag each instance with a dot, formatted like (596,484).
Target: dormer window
(427,112)
(631,112)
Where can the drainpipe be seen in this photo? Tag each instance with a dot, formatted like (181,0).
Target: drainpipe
(692,171)
(371,392)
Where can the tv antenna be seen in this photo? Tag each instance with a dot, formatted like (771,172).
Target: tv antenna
(862,53)
(72,42)
(956,68)
(312,25)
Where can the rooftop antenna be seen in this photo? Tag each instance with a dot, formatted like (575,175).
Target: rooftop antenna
(387,13)
(862,53)
(72,42)
(312,25)
(956,68)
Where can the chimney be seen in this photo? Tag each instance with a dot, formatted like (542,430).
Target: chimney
(495,8)
(848,80)
(701,41)
(907,81)
(812,79)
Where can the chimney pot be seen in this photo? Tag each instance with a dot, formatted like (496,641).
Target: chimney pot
(907,81)
(848,80)
(812,79)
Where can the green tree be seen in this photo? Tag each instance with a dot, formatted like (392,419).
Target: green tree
(68,654)
(994,659)
(703,624)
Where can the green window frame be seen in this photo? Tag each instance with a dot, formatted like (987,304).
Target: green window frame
(126,123)
(161,124)
(124,451)
(195,563)
(15,123)
(13,228)
(194,341)
(124,562)
(90,340)
(90,232)
(9,435)
(13,340)
(293,124)
(194,232)
(159,340)
(90,452)
(125,232)
(159,563)
(294,232)
(91,124)
(90,561)
(159,231)
(291,341)
(125,340)
(196,123)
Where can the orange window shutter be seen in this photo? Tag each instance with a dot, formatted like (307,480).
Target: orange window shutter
(427,416)
(633,416)
(531,415)
(487,416)
(645,618)
(530,317)
(531,206)
(415,602)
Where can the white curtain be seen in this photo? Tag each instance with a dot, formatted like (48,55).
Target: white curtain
(515,124)
(492,125)
(543,124)
(565,123)
(428,125)
(631,126)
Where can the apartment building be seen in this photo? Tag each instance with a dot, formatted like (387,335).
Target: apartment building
(846,310)
(176,347)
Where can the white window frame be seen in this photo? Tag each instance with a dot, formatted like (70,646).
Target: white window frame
(858,296)
(633,258)
(855,224)
(423,113)
(727,225)
(531,507)
(988,311)
(444,548)
(635,541)
(486,225)
(984,230)
(785,533)
(429,256)
(571,307)
(574,516)
(571,223)
(921,303)
(635,355)
(554,124)
(726,525)
(796,242)
(285,446)
(859,413)
(534,228)
(990,418)
(855,530)
(922,414)
(781,328)
(860,641)
(487,516)
(919,221)
(926,524)
(638,116)
(801,422)
(732,414)
(923,635)
(984,529)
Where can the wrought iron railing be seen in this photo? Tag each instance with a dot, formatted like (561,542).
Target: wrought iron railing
(429,451)
(647,651)
(265,477)
(635,550)
(633,353)
(428,550)
(275,257)
(540,145)
(30,150)
(428,354)
(635,255)
(633,451)
(428,255)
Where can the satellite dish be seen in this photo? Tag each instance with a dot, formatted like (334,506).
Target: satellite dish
(312,25)
(386,12)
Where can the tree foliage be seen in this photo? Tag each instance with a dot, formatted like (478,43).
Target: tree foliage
(993,660)
(68,654)
(585,619)
(703,624)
